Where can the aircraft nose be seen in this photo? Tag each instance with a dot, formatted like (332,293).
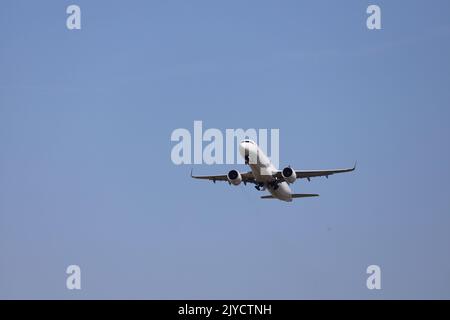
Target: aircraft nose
(242,147)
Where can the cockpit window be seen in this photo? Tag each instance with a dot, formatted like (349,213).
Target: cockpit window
(248,141)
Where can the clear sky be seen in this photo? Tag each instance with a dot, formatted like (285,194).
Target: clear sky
(86,176)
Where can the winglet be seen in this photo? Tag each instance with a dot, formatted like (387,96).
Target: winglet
(192,169)
(354,166)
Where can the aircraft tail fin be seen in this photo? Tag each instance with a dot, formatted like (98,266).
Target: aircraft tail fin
(295,195)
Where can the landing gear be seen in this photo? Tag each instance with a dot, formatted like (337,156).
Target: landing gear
(260,187)
(247,159)
(274,185)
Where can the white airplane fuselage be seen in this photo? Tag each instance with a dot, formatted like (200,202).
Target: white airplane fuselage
(263,170)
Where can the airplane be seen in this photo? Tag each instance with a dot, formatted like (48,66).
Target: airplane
(266,177)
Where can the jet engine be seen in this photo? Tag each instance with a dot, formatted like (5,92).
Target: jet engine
(234,177)
(289,175)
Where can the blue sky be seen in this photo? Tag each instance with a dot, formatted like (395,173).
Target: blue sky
(86,176)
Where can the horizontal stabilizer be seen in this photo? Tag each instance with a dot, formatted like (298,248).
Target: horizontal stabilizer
(295,195)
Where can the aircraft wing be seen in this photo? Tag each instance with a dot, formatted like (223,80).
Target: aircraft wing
(246,177)
(308,174)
